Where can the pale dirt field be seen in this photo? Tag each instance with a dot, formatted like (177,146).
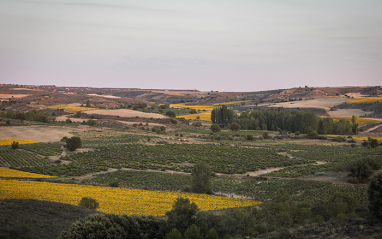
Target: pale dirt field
(63,118)
(106,96)
(323,103)
(38,133)
(10,96)
(126,113)
(347,112)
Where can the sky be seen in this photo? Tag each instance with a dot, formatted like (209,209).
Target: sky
(224,45)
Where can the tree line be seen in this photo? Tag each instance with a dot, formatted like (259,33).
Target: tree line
(280,119)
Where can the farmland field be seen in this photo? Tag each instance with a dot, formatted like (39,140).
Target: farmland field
(114,200)
(35,133)
(258,180)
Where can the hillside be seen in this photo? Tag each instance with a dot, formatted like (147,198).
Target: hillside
(37,219)
(320,100)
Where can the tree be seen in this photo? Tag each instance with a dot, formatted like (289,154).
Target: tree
(201,174)
(182,214)
(89,202)
(15,145)
(373,143)
(375,195)
(215,128)
(193,111)
(73,143)
(193,232)
(174,234)
(360,170)
(212,234)
(354,121)
(171,114)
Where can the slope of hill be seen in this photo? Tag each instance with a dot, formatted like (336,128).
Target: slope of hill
(37,219)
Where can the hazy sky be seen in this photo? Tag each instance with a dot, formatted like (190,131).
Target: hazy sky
(225,45)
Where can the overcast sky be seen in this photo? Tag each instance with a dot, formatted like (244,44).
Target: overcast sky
(225,45)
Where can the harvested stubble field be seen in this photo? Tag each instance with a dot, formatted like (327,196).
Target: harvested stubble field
(35,133)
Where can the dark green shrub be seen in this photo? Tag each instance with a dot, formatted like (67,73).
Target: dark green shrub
(73,143)
(89,202)
(15,145)
(215,128)
(91,122)
(375,195)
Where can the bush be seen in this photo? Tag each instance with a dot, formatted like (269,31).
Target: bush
(266,135)
(174,234)
(375,196)
(171,114)
(116,226)
(360,170)
(235,126)
(197,124)
(215,128)
(193,232)
(91,122)
(15,145)
(89,202)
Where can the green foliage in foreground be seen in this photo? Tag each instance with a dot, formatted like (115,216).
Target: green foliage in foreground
(184,218)
(375,196)
(116,226)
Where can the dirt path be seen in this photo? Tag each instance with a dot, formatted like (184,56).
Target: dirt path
(374,128)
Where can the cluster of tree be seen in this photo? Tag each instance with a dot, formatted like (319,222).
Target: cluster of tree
(223,115)
(360,170)
(292,121)
(158,129)
(33,115)
(370,143)
(139,106)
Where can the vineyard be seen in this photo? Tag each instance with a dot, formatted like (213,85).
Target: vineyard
(230,155)
(256,188)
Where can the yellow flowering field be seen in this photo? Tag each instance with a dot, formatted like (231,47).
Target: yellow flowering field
(114,200)
(196,107)
(361,121)
(204,117)
(11,173)
(70,108)
(20,141)
(365,100)
(354,137)
(232,102)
